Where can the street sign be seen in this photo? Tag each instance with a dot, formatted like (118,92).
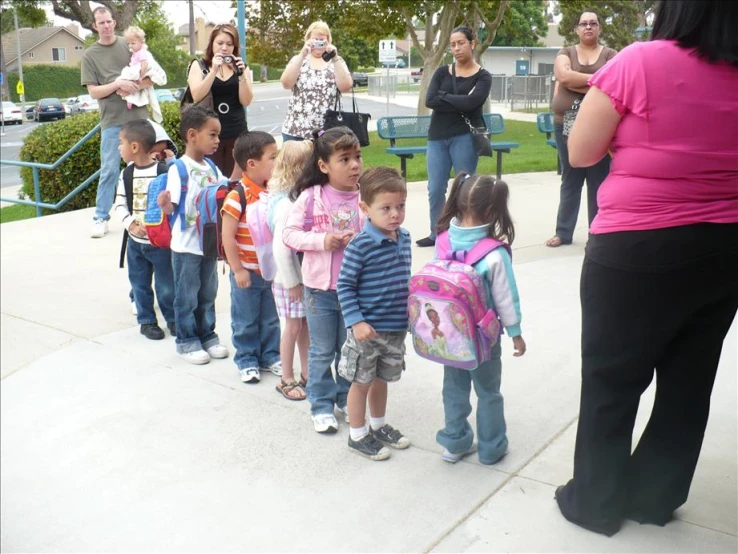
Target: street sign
(19,88)
(1,78)
(387,50)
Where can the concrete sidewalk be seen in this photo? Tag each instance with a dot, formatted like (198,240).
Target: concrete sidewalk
(112,443)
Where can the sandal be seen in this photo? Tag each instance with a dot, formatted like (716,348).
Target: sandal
(286,388)
(303,382)
(555,242)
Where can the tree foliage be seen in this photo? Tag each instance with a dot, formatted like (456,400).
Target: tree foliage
(162,41)
(523,24)
(619,19)
(29,15)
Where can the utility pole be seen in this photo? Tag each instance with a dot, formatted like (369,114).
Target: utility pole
(20,62)
(192,28)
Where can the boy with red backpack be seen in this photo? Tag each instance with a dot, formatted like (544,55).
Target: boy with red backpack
(254,319)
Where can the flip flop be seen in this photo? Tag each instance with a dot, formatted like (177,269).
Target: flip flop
(285,388)
(555,242)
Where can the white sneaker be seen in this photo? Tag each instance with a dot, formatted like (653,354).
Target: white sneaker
(218,351)
(452,458)
(250,375)
(325,423)
(343,411)
(197,357)
(99,228)
(134,310)
(275,368)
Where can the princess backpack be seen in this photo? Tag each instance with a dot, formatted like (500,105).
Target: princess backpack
(450,322)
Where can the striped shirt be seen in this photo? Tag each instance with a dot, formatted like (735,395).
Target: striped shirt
(232,207)
(373,283)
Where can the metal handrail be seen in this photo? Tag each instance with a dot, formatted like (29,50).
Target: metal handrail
(36,185)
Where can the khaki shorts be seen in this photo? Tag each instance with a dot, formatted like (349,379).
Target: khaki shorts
(383,357)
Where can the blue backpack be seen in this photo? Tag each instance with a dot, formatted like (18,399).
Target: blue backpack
(208,204)
(158,224)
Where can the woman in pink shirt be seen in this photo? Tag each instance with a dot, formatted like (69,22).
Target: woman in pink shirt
(659,287)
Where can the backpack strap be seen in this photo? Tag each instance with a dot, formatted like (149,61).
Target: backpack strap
(471,256)
(183,178)
(212,166)
(309,209)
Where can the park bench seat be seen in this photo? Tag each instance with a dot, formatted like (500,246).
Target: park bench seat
(416,126)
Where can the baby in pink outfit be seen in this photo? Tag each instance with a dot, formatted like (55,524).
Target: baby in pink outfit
(142,65)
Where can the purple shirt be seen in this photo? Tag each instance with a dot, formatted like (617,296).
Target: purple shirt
(675,150)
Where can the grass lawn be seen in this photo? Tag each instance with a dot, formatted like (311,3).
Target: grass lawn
(533,155)
(16,213)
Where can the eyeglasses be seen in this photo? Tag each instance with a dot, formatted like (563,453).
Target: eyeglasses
(584,24)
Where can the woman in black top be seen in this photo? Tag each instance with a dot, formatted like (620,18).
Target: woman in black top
(449,137)
(231,92)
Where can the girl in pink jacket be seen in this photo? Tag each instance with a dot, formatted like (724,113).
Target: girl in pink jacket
(324,218)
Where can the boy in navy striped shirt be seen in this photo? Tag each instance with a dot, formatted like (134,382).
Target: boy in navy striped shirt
(373,291)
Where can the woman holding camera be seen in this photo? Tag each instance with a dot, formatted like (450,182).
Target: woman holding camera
(315,75)
(229,81)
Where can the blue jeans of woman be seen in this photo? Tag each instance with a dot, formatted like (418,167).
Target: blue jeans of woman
(457,152)
(327,335)
(195,288)
(144,262)
(109,171)
(572,181)
(255,323)
(457,436)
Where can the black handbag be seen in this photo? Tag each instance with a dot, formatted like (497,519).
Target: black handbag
(480,135)
(356,121)
(187,99)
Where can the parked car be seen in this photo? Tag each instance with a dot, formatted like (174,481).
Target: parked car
(178,92)
(67,109)
(48,108)
(29,112)
(398,63)
(10,113)
(417,75)
(82,104)
(165,95)
(360,79)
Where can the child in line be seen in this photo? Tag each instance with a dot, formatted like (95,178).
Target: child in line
(287,285)
(330,181)
(254,319)
(142,65)
(195,276)
(373,292)
(137,140)
(477,208)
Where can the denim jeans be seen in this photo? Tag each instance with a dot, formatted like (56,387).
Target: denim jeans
(144,262)
(327,335)
(572,181)
(442,154)
(457,436)
(109,172)
(195,288)
(255,323)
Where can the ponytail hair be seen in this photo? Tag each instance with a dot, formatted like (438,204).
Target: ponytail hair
(485,200)
(326,143)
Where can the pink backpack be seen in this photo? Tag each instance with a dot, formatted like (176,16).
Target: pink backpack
(449,319)
(257,220)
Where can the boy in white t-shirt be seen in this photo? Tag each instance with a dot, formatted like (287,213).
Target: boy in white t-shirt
(195,276)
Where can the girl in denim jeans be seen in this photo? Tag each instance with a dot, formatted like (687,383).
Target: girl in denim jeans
(477,208)
(326,194)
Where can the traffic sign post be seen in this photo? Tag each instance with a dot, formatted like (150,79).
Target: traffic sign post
(388,55)
(20,90)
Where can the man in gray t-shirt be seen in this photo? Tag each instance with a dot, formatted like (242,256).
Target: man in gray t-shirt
(101,66)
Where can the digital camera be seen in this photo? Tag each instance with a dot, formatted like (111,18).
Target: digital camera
(231,60)
(318,44)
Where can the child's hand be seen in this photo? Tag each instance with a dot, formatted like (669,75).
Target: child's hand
(346,237)
(333,241)
(242,278)
(164,201)
(363,331)
(295,293)
(519,345)
(137,230)
(168,154)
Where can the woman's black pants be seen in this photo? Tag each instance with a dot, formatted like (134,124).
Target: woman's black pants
(634,324)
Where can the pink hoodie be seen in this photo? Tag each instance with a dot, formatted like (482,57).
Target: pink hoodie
(316,264)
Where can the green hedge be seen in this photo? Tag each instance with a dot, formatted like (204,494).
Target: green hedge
(47,81)
(49,142)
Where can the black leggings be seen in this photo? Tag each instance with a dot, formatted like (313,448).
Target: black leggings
(633,323)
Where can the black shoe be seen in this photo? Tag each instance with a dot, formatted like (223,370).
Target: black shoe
(390,436)
(427,241)
(172,328)
(152,331)
(369,447)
